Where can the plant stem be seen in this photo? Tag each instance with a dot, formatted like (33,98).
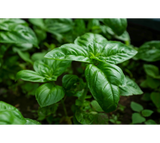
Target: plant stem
(64,108)
(82,98)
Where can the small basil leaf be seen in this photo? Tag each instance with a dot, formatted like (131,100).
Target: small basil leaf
(50,69)
(153,83)
(29,75)
(118,25)
(151,70)
(147,113)
(106,93)
(69,80)
(37,22)
(150,121)
(146,97)
(137,118)
(48,94)
(136,107)
(38,56)
(149,51)
(130,88)
(155,97)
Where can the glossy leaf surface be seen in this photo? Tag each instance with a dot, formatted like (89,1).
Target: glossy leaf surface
(18,34)
(29,75)
(92,46)
(130,88)
(11,117)
(48,94)
(149,51)
(45,70)
(96,106)
(103,86)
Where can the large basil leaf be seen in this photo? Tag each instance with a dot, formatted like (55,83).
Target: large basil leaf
(11,117)
(118,25)
(149,51)
(18,34)
(92,46)
(130,88)
(103,84)
(45,70)
(6,106)
(152,71)
(48,94)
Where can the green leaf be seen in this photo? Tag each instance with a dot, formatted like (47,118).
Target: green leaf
(28,75)
(136,107)
(92,46)
(100,118)
(25,56)
(150,121)
(84,117)
(130,88)
(152,70)
(149,51)
(147,113)
(45,70)
(10,115)
(96,106)
(31,122)
(15,111)
(38,56)
(69,80)
(137,118)
(155,97)
(18,34)
(48,94)
(118,25)
(124,37)
(153,83)
(37,22)
(146,97)
(50,69)
(144,84)
(103,83)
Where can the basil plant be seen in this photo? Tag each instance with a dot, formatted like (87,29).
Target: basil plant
(104,79)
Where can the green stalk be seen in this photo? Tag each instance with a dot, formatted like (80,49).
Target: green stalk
(64,108)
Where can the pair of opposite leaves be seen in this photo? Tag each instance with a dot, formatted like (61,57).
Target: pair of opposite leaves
(104,79)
